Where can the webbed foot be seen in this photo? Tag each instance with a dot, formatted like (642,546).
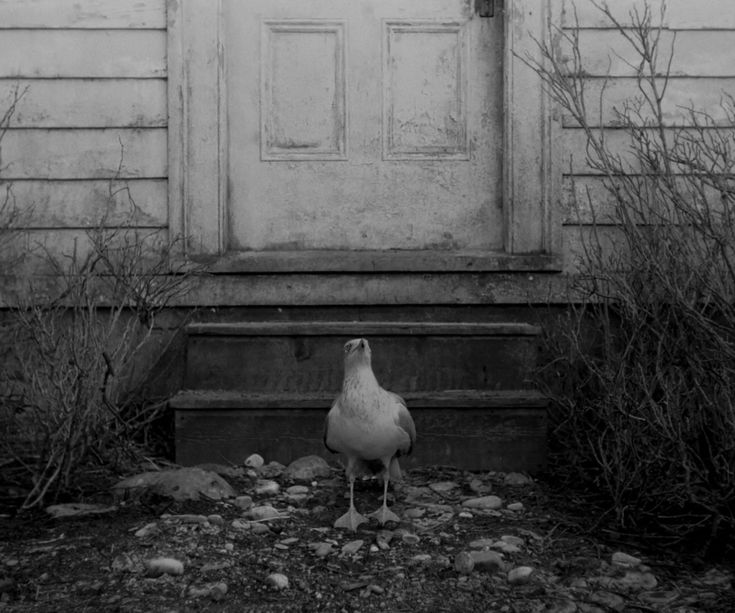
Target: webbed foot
(350,520)
(384,515)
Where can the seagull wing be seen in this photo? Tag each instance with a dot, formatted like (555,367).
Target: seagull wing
(404,421)
(327,430)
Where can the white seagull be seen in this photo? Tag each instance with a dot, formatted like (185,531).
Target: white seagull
(371,427)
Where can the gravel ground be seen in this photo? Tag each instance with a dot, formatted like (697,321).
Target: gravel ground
(467,542)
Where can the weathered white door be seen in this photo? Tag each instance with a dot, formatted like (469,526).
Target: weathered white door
(363,124)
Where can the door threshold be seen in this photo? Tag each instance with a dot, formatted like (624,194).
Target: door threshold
(389,260)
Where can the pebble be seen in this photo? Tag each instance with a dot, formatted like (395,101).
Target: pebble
(187,518)
(216,520)
(517,479)
(515,506)
(625,560)
(421,558)
(658,597)
(244,502)
(254,460)
(261,512)
(520,575)
(608,600)
(322,550)
(443,487)
(480,487)
(382,539)
(483,543)
(506,547)
(271,470)
(267,487)
(512,540)
(308,468)
(636,581)
(465,515)
(351,548)
(218,591)
(483,502)
(295,490)
(488,561)
(464,563)
(164,566)
(147,530)
(215,591)
(257,528)
(241,524)
(414,513)
(277,581)
(410,538)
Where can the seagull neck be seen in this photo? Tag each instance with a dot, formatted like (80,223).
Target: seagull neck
(357,376)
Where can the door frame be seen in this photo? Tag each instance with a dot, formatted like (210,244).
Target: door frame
(197,153)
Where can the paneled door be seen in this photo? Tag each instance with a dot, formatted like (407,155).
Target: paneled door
(363,124)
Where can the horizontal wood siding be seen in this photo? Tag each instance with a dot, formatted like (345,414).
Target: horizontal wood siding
(701,37)
(93,14)
(88,141)
(89,103)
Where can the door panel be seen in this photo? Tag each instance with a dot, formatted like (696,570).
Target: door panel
(363,124)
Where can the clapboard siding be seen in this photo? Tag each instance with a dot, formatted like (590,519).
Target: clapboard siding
(603,98)
(702,74)
(107,14)
(87,144)
(85,203)
(39,243)
(89,103)
(698,53)
(683,14)
(617,143)
(84,154)
(48,54)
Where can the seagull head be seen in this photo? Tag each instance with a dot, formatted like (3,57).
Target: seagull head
(357,352)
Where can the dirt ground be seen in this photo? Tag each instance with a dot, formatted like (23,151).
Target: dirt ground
(544,553)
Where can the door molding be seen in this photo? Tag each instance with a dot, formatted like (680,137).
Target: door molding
(197,145)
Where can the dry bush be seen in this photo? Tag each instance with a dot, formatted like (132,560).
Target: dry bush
(80,344)
(642,367)
(12,217)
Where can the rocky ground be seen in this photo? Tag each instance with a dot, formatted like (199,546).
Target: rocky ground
(262,540)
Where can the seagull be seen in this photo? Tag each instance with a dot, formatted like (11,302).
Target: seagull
(371,427)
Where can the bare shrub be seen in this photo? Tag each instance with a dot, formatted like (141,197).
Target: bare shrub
(81,343)
(12,217)
(643,365)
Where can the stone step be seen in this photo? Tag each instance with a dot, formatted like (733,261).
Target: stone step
(305,357)
(468,429)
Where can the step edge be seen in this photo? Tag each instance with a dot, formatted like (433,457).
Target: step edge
(365,328)
(209,399)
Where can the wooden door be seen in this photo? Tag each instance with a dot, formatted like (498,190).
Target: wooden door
(363,124)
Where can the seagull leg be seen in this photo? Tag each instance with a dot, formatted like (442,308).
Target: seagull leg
(352,519)
(384,514)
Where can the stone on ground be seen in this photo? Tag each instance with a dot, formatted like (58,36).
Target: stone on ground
(483,502)
(308,468)
(164,566)
(179,484)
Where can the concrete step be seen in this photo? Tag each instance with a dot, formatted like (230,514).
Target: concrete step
(469,429)
(306,356)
